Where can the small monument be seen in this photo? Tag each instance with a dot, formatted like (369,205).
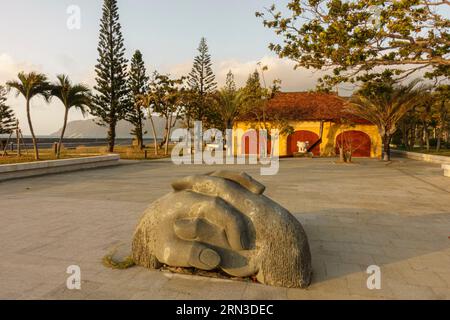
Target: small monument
(222,221)
(303,150)
(302,146)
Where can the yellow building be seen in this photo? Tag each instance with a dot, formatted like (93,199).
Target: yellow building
(318,119)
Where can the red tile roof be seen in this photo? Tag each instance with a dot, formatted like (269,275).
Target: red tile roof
(312,106)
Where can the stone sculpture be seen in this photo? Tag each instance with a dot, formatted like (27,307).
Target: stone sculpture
(223,221)
(302,146)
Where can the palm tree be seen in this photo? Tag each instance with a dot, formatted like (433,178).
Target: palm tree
(385,104)
(229,105)
(72,96)
(31,85)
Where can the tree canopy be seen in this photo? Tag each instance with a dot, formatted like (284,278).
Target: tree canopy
(7,119)
(138,84)
(202,84)
(111,103)
(361,39)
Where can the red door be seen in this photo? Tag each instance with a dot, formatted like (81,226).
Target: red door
(303,136)
(251,143)
(357,141)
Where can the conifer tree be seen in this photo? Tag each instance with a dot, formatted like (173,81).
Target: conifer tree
(138,84)
(111,103)
(229,103)
(7,120)
(201,81)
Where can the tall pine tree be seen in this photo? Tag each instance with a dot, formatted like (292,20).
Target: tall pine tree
(201,81)
(111,103)
(138,84)
(7,120)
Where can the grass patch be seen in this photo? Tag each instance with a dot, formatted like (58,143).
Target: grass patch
(109,262)
(44,156)
(125,152)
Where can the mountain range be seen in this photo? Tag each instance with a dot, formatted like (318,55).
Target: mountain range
(84,129)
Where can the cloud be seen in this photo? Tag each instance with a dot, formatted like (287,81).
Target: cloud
(9,68)
(292,80)
(46,117)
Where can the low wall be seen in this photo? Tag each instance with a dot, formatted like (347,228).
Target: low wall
(29,169)
(422,157)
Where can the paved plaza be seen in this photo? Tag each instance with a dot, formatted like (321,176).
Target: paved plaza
(396,216)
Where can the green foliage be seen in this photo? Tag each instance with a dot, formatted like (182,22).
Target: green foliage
(165,97)
(138,84)
(165,94)
(31,85)
(255,97)
(109,262)
(72,96)
(428,123)
(7,119)
(201,82)
(111,103)
(384,104)
(353,38)
(201,78)
(228,103)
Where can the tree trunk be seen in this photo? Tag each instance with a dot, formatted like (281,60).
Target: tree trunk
(422,137)
(438,142)
(348,156)
(412,137)
(387,148)
(111,136)
(36,150)
(139,135)
(341,154)
(166,130)
(405,137)
(427,139)
(155,138)
(341,149)
(58,152)
(166,151)
(19,153)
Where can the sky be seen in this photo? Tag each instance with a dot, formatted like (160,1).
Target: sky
(35,37)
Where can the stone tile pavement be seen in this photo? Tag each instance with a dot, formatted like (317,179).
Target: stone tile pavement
(396,216)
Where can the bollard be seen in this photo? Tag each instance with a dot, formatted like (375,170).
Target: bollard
(55,148)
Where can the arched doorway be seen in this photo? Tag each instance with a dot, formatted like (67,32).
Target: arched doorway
(303,136)
(251,143)
(356,141)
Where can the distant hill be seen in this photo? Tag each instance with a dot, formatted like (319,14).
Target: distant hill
(89,129)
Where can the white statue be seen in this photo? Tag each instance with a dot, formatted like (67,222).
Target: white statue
(302,146)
